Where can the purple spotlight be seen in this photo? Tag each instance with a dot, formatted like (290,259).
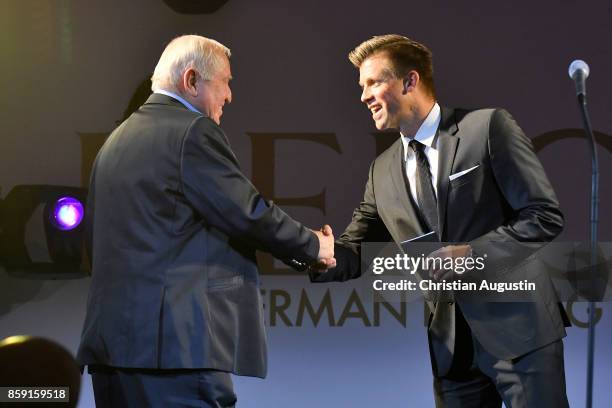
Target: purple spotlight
(67,213)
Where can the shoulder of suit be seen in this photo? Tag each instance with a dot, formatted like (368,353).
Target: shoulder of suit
(460,113)
(204,127)
(184,113)
(205,122)
(483,115)
(191,121)
(489,111)
(187,122)
(386,155)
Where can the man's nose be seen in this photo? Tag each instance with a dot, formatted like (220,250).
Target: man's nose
(365,95)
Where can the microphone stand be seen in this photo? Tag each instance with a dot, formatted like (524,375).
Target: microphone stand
(593,245)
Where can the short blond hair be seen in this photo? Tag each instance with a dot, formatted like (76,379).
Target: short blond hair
(405,55)
(187,52)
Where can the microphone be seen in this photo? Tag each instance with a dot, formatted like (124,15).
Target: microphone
(579,72)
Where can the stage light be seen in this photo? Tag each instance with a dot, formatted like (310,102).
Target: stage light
(42,233)
(67,213)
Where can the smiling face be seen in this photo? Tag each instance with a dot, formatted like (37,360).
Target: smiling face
(214,93)
(383,93)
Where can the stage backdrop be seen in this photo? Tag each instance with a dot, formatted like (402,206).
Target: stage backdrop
(71,69)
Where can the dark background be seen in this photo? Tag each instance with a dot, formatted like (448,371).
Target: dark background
(70,68)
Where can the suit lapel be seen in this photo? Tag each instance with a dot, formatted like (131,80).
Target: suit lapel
(447,144)
(407,210)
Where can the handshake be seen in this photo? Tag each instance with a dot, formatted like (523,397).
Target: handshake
(325,259)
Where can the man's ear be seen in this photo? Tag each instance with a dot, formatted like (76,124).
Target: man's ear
(190,80)
(410,81)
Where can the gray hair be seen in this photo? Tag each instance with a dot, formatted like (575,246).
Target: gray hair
(188,51)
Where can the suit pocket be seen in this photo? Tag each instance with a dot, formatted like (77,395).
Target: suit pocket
(472,172)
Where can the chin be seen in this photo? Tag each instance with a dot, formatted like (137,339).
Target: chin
(381,125)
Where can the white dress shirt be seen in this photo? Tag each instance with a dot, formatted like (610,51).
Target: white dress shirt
(426,135)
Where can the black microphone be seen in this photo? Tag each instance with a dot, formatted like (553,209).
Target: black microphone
(579,72)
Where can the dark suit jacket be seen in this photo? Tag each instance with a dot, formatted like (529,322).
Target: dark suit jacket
(174,228)
(507,198)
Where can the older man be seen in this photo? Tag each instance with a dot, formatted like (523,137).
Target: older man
(174,304)
(467,176)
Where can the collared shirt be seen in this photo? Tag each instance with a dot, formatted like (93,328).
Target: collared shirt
(426,135)
(178,98)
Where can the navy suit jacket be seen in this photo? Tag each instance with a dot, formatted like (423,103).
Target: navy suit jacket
(173,229)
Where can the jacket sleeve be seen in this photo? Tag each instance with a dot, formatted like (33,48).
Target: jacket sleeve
(523,183)
(214,184)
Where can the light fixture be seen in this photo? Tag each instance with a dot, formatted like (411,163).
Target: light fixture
(67,213)
(42,232)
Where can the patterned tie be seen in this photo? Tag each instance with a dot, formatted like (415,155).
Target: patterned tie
(426,197)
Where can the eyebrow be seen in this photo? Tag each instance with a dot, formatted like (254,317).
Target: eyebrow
(367,80)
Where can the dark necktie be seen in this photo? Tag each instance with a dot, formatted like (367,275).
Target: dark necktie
(426,198)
